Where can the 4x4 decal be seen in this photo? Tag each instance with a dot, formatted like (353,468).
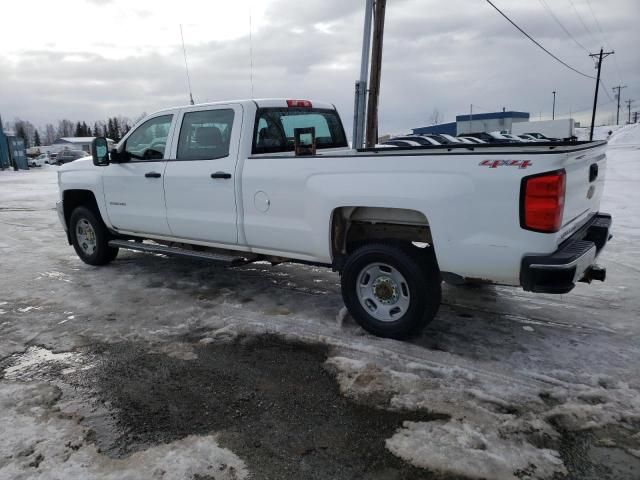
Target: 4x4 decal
(522,164)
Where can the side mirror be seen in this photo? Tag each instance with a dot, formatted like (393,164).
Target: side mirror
(100,152)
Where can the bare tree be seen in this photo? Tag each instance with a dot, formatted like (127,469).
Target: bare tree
(49,134)
(65,128)
(436,117)
(139,117)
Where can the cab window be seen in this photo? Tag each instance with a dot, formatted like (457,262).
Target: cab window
(274,128)
(205,135)
(149,140)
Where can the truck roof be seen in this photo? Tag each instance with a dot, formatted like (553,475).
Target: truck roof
(260,102)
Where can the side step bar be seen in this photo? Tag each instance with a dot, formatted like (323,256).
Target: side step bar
(218,258)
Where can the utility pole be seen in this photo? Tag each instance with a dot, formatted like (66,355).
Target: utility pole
(360,104)
(629,102)
(619,87)
(376,70)
(471,118)
(553,114)
(602,55)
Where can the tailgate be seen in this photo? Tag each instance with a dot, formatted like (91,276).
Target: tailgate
(585,173)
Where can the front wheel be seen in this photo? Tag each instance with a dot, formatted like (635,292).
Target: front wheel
(90,237)
(391,291)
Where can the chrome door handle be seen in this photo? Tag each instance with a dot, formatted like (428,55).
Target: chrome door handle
(152,175)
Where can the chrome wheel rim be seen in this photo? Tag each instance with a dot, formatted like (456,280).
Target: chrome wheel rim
(86,237)
(383,292)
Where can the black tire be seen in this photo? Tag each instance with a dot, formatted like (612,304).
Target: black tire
(103,253)
(422,277)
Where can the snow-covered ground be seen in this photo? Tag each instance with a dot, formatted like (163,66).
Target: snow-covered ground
(512,377)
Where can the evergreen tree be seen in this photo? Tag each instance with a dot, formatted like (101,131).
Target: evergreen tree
(116,130)
(36,139)
(111,135)
(105,131)
(96,130)
(85,130)
(20,132)
(78,132)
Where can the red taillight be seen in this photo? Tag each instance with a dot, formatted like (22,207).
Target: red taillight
(299,103)
(543,202)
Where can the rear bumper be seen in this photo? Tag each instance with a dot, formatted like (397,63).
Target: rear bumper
(571,263)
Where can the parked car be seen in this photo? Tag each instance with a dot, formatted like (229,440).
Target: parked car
(438,138)
(515,138)
(451,138)
(418,139)
(531,138)
(402,143)
(540,136)
(489,137)
(38,161)
(472,139)
(226,177)
(67,156)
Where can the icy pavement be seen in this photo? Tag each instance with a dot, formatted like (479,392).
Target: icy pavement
(515,385)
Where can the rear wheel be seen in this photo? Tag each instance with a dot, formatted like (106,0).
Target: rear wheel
(90,237)
(391,290)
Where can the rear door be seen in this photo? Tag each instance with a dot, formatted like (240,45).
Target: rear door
(133,191)
(200,178)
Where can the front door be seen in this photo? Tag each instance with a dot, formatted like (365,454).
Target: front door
(200,177)
(133,190)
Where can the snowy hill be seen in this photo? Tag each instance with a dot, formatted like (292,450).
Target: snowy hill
(621,134)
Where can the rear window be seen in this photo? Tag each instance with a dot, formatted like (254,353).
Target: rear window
(274,128)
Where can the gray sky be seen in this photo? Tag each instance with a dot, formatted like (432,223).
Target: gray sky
(90,59)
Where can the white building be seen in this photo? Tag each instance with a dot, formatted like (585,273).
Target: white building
(73,143)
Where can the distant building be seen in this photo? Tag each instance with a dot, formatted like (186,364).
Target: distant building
(448,128)
(489,122)
(481,122)
(72,143)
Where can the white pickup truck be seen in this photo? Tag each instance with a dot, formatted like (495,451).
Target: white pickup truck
(275,180)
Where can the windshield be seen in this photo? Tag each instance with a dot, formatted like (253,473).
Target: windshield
(274,128)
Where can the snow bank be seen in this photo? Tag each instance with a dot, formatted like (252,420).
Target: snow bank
(459,448)
(627,135)
(621,134)
(495,427)
(46,445)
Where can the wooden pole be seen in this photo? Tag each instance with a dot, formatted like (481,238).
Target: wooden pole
(376,70)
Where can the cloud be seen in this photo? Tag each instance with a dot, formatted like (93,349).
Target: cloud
(444,56)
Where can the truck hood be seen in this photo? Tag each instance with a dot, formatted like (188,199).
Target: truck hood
(80,164)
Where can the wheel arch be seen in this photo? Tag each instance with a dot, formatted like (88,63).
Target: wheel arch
(353,225)
(71,199)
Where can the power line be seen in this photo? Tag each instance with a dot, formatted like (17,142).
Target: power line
(606,89)
(537,43)
(550,11)
(605,40)
(593,38)
(598,24)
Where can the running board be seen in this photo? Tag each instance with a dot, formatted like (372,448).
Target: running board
(220,259)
